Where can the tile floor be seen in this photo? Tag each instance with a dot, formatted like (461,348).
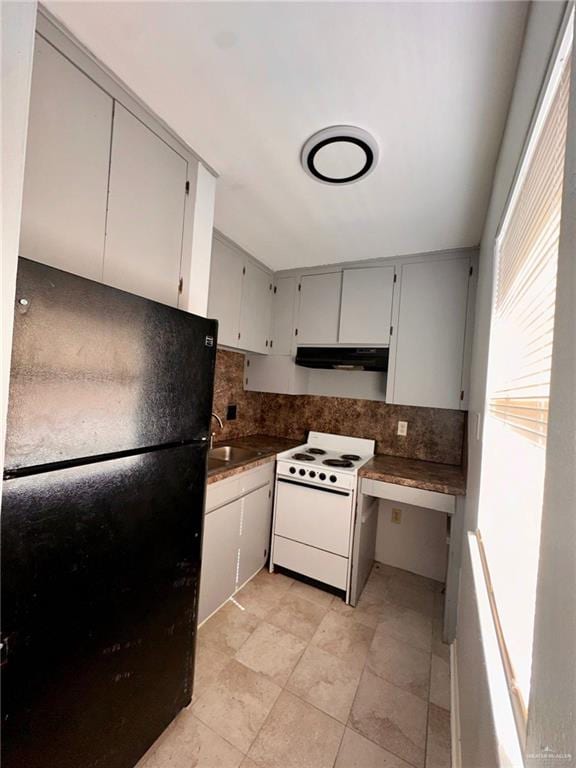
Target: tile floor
(288,676)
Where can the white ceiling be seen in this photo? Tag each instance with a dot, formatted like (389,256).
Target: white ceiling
(245,84)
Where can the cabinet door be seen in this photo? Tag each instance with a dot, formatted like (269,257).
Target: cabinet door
(283,305)
(255,539)
(225,293)
(145,212)
(66,172)
(220,550)
(319,312)
(430,333)
(366,307)
(255,311)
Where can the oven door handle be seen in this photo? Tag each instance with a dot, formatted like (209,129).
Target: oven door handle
(313,487)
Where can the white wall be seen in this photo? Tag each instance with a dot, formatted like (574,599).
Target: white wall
(478,733)
(18,22)
(417,543)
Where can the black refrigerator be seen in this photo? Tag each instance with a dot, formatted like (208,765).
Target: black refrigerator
(102,514)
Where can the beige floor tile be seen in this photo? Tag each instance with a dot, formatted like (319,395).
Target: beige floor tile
(188,743)
(237,704)
(440,683)
(296,615)
(358,752)
(227,630)
(271,651)
(438,744)
(409,596)
(368,611)
(296,735)
(248,763)
(411,627)
(344,638)
(391,717)
(399,663)
(325,681)
(315,595)
(209,664)
(263,592)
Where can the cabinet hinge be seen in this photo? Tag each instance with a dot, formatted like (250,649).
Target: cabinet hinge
(266,343)
(270,287)
(471,271)
(275,289)
(243,270)
(395,277)
(271,343)
(299,287)
(247,363)
(239,335)
(187,187)
(296,332)
(461,394)
(391,330)
(180,285)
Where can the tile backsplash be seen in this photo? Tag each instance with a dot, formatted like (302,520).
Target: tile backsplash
(434,434)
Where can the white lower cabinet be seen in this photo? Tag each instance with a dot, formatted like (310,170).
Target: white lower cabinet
(219,557)
(236,535)
(255,532)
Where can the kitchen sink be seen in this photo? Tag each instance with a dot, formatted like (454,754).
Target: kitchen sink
(232,454)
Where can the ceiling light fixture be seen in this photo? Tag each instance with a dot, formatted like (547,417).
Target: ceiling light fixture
(341,154)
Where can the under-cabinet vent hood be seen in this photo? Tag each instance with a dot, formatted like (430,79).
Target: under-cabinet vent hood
(344,358)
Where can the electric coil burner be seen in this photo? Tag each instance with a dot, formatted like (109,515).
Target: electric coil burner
(350,457)
(338,463)
(303,457)
(317,451)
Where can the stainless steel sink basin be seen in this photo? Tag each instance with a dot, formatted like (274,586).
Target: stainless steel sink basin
(232,454)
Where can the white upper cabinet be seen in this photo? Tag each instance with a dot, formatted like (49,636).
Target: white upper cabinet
(145,212)
(283,314)
(319,313)
(67,161)
(255,310)
(428,348)
(226,272)
(366,307)
(240,298)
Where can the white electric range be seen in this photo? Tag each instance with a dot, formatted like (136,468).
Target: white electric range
(315,525)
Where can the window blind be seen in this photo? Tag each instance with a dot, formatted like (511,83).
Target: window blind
(515,427)
(523,322)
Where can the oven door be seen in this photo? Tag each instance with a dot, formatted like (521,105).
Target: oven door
(317,516)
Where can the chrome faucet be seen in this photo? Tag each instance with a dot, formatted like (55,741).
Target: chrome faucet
(213,434)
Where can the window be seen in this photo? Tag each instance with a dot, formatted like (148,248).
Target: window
(514,444)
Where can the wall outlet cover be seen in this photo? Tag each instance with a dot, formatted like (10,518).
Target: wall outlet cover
(231,413)
(396,515)
(402,428)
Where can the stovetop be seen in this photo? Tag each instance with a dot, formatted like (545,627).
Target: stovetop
(345,454)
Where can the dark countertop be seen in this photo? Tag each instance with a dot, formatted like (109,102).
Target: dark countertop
(267,447)
(427,475)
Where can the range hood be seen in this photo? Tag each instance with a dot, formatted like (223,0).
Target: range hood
(344,358)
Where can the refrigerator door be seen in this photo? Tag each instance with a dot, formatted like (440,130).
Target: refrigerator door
(97,371)
(100,569)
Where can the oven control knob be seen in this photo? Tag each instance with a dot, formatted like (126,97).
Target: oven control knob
(322,476)
(333,478)
(302,472)
(292,470)
(312,473)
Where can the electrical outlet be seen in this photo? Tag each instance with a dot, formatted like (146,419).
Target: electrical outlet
(396,515)
(402,428)
(231,413)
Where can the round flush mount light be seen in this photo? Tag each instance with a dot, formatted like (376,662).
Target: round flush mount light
(340,154)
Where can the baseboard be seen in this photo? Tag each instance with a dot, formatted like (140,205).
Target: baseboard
(455,707)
